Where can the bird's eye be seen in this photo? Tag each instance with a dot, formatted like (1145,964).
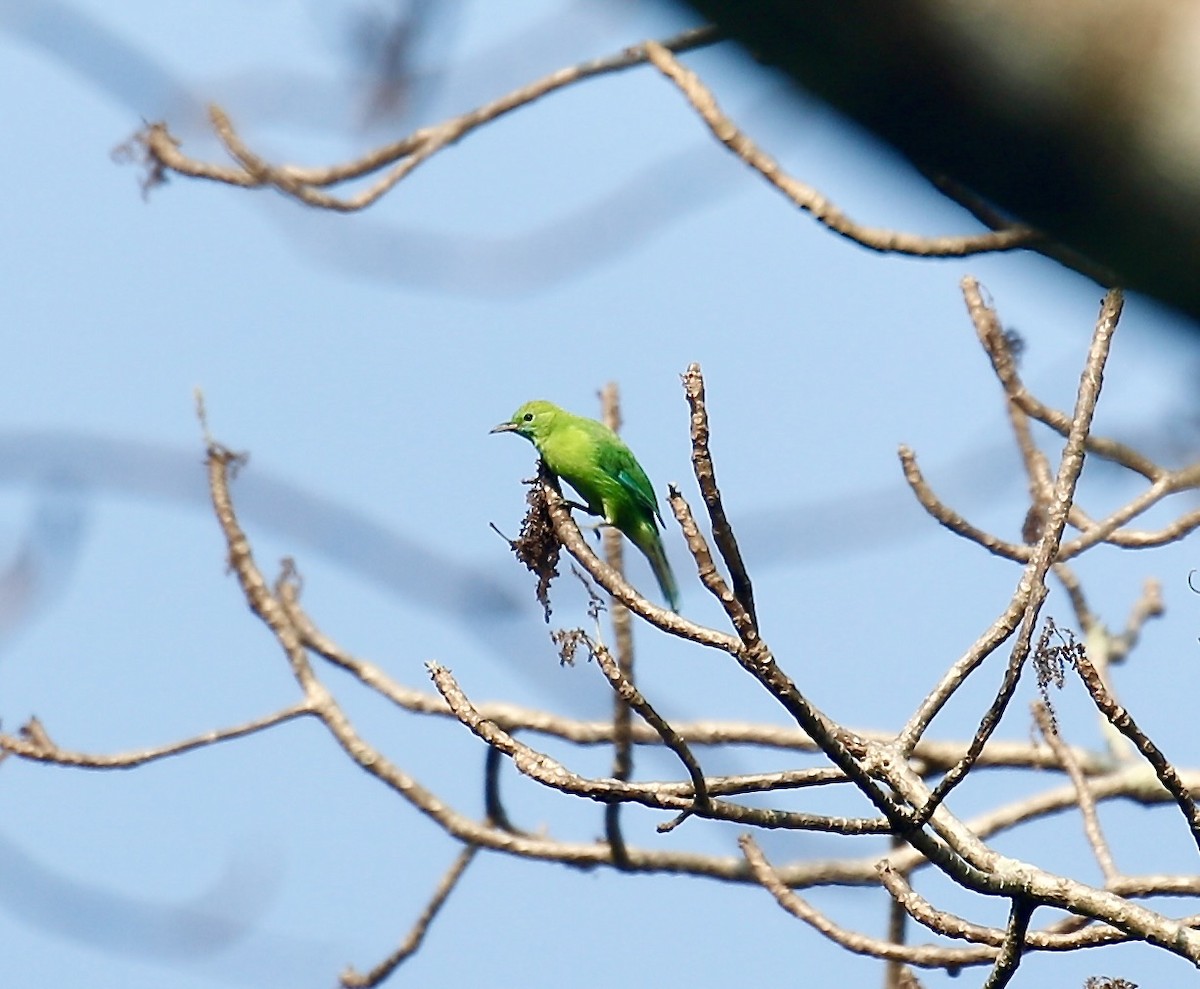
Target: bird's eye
(529,417)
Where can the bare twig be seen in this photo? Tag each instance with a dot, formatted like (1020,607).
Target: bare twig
(1010,954)
(1087,806)
(1032,590)
(400,158)
(624,688)
(355,980)
(895,971)
(740,617)
(1120,719)
(995,344)
(862,944)
(706,478)
(542,768)
(951,519)
(811,201)
(1078,933)
(35,745)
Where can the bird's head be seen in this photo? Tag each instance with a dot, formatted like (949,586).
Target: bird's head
(532,420)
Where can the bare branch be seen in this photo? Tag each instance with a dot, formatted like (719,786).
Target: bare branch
(706,478)
(1010,952)
(401,157)
(1071,935)
(739,615)
(35,745)
(949,518)
(1087,806)
(409,946)
(1032,590)
(812,202)
(631,697)
(1120,719)
(862,944)
(542,768)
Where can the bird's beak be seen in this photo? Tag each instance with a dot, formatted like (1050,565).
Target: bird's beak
(504,427)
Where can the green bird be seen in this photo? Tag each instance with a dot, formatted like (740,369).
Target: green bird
(596,463)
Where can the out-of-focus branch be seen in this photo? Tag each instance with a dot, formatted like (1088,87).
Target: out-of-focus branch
(620,671)
(399,158)
(1092,103)
(632,698)
(1087,806)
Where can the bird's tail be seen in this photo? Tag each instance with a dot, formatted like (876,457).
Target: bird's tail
(650,543)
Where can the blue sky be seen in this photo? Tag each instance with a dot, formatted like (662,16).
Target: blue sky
(598,235)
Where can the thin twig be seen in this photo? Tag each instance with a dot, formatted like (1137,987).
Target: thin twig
(1087,806)
(1121,719)
(1014,941)
(862,944)
(951,519)
(1032,590)
(1069,935)
(895,970)
(812,202)
(756,660)
(401,157)
(996,346)
(706,478)
(633,698)
(409,946)
(549,772)
(739,616)
(34,744)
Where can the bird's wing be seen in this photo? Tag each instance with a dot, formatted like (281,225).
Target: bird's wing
(621,465)
(639,485)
